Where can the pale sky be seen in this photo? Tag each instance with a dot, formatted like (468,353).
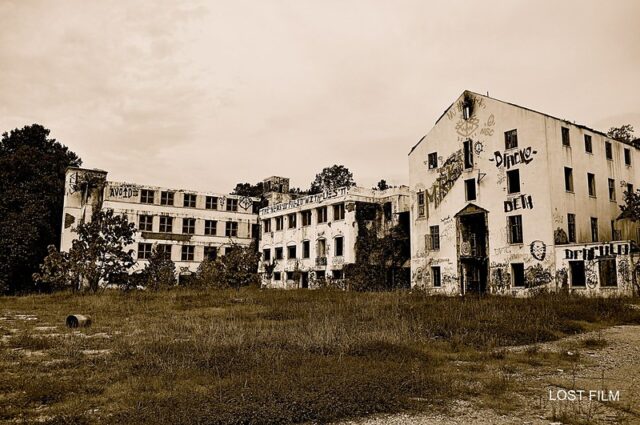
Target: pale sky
(205,94)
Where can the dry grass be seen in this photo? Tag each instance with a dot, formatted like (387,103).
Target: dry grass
(272,356)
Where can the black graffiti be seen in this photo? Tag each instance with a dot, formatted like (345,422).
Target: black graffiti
(538,250)
(507,159)
(522,202)
(594,252)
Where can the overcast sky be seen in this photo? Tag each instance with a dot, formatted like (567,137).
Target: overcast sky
(204,94)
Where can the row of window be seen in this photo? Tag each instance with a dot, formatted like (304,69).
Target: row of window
(322,216)
(591,184)
(145,223)
(187,252)
(320,275)
(292,250)
(588,146)
(147,196)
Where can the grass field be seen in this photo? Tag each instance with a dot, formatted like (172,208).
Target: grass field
(272,356)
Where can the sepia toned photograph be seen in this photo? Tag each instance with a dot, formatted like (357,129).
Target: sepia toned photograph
(319,212)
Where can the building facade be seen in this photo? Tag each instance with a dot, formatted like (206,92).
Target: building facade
(507,200)
(309,240)
(188,226)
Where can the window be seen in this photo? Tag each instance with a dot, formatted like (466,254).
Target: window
(146,196)
(289,275)
(277,276)
(321,248)
(278,253)
(188,252)
(612,190)
(267,225)
(470,189)
(421,205)
(594,229)
(189,200)
(608,272)
(211,202)
(338,212)
(266,254)
(232,204)
(615,234)
(188,226)
(322,214)
(517,275)
(337,274)
(576,268)
(608,151)
(279,223)
(320,275)
(166,224)
(306,249)
(591,183)
(146,223)
(210,253)
(306,217)
(291,252)
(629,188)
(436,278)
(568,179)
(468,154)
(210,227)
(565,137)
(513,181)
(627,156)
(511,139)
(291,219)
(432,160)
(231,229)
(166,198)
(588,146)
(339,246)
(571,227)
(165,250)
(515,229)
(434,238)
(144,251)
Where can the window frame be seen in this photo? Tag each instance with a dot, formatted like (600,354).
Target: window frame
(510,189)
(147,226)
(566,136)
(608,150)
(211,227)
(518,278)
(470,186)
(591,185)
(188,226)
(231,229)
(568,179)
(595,236)
(511,142)
(338,246)
(144,196)
(432,160)
(188,253)
(145,250)
(588,144)
(167,225)
(211,202)
(514,222)
(189,200)
(436,276)
(232,204)
(167,197)
(571,227)
(612,189)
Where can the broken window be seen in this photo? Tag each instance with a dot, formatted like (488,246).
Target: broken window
(291,252)
(511,139)
(289,275)
(612,189)
(279,223)
(513,181)
(266,224)
(144,251)
(515,229)
(468,154)
(231,229)
(166,198)
(278,253)
(627,156)
(277,276)
(576,268)
(232,204)
(591,183)
(608,151)
(568,179)
(571,227)
(594,229)
(435,276)
(322,214)
(565,137)
(588,146)
(146,223)
(608,272)
(210,227)
(266,254)
(166,224)
(338,211)
(210,253)
(146,196)
(421,206)
(188,252)
(188,226)
(211,202)
(306,249)
(291,220)
(189,200)
(306,217)
(432,160)
(517,274)
(470,189)
(338,246)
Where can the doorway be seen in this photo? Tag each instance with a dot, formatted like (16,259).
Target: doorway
(473,249)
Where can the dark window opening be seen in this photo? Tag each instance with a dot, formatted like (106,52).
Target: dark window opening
(432,160)
(166,198)
(608,272)
(291,252)
(470,189)
(608,150)
(339,246)
(517,274)
(568,179)
(594,229)
(576,269)
(436,277)
(565,137)
(511,139)
(515,229)
(627,156)
(588,145)
(306,249)
(211,202)
(591,183)
(513,181)
(189,200)
(468,154)
(571,227)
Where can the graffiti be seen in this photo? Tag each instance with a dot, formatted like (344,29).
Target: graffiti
(624,271)
(623,183)
(465,248)
(523,156)
(591,274)
(562,278)
(500,279)
(478,147)
(448,174)
(467,100)
(337,260)
(466,128)
(522,202)
(560,236)
(310,199)
(446,219)
(538,250)
(537,276)
(491,121)
(598,251)
(245,202)
(417,275)
(124,191)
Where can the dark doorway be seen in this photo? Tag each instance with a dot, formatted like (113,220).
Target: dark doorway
(473,250)
(304,281)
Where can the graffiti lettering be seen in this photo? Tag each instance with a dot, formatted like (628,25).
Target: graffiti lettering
(522,202)
(449,173)
(123,191)
(523,156)
(594,252)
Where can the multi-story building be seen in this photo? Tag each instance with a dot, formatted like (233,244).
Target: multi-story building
(505,199)
(188,226)
(312,238)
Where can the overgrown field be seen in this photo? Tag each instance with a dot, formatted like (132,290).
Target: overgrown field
(272,356)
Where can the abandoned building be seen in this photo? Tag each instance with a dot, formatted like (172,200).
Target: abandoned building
(508,200)
(188,226)
(308,241)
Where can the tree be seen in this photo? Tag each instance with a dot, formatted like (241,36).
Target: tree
(32,177)
(160,271)
(237,268)
(248,189)
(631,207)
(623,133)
(97,256)
(332,178)
(382,185)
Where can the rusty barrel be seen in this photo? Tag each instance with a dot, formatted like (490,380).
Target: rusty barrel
(78,321)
